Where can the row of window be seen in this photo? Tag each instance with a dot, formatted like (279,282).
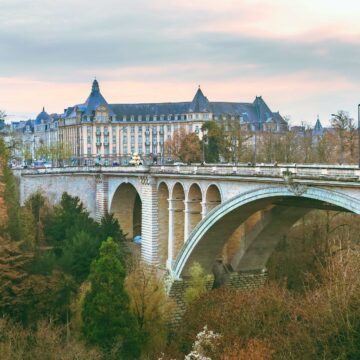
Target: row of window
(104,118)
(139,149)
(148,129)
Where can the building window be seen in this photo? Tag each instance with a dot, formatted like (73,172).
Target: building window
(132,118)
(190,127)
(114,150)
(124,118)
(169,117)
(98,131)
(132,129)
(140,150)
(139,118)
(154,118)
(114,138)
(132,139)
(197,129)
(147,118)
(161,117)
(168,128)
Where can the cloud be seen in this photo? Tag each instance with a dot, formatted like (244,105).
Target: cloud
(265,46)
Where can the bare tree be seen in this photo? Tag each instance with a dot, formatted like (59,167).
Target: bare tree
(344,126)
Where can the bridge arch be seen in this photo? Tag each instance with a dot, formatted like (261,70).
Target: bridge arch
(209,236)
(163,221)
(212,198)
(177,207)
(126,205)
(193,208)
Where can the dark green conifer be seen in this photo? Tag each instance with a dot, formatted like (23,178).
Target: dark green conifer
(107,320)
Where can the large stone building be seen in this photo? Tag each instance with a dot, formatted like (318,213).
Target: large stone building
(96,129)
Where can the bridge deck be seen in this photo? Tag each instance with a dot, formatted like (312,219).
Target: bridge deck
(347,173)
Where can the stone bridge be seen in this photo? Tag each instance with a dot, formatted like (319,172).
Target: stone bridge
(227,218)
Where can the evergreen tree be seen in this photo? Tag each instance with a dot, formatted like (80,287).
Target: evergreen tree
(110,227)
(107,320)
(69,218)
(10,196)
(215,139)
(78,254)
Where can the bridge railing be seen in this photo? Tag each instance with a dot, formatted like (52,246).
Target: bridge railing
(318,171)
(300,171)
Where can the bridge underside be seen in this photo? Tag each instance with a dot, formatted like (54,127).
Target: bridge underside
(278,215)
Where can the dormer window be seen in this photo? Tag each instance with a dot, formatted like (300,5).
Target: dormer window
(124,118)
(132,118)
(147,117)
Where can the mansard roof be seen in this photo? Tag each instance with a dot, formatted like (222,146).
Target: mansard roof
(150,109)
(255,112)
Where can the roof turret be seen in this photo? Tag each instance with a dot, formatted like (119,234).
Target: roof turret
(200,102)
(318,128)
(94,100)
(42,118)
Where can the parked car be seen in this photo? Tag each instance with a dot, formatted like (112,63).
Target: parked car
(41,165)
(179,163)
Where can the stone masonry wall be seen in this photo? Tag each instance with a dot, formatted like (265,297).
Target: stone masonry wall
(246,280)
(53,186)
(176,290)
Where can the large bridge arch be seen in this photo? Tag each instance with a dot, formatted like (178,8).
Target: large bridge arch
(126,205)
(209,236)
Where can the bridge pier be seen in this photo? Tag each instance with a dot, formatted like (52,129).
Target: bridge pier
(150,246)
(171,250)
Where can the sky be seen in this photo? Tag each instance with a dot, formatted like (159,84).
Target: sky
(302,56)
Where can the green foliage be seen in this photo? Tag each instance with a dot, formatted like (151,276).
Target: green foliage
(77,255)
(107,320)
(214,141)
(68,218)
(33,218)
(11,196)
(197,283)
